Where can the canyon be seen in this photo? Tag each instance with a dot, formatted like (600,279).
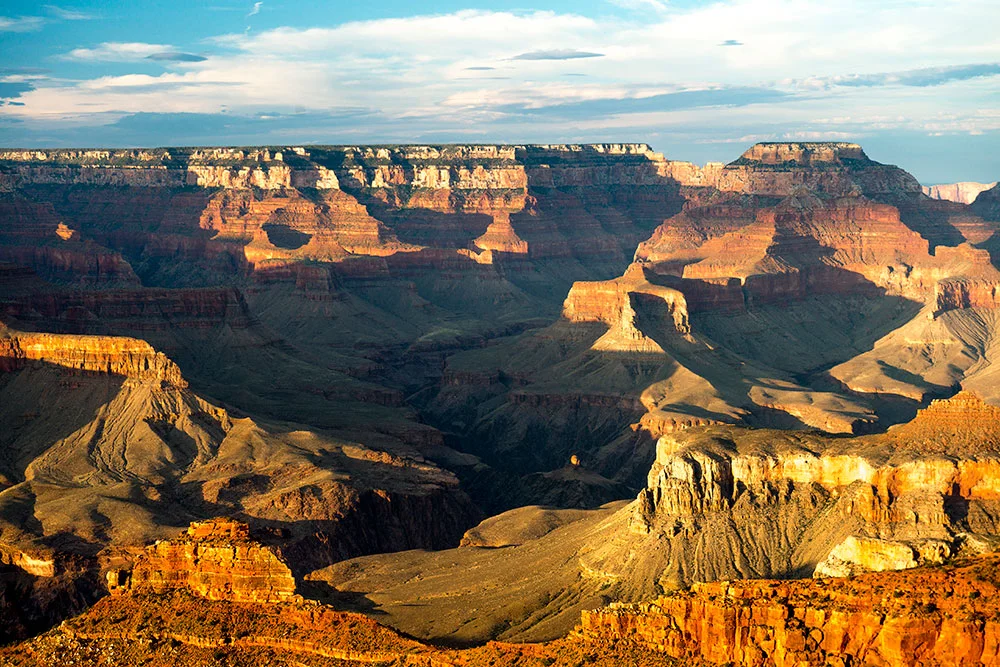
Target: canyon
(286,385)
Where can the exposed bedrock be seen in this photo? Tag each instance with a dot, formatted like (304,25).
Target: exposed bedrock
(726,502)
(940,616)
(215,559)
(963,193)
(127,357)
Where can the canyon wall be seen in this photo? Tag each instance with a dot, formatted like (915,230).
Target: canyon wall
(127,357)
(214,559)
(928,617)
(963,193)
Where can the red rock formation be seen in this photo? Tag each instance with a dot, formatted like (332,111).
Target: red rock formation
(610,301)
(685,480)
(927,617)
(214,559)
(955,294)
(132,311)
(127,357)
(838,169)
(34,235)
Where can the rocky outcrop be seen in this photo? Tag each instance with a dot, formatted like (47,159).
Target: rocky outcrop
(37,565)
(778,169)
(724,501)
(963,193)
(127,357)
(615,302)
(687,479)
(987,204)
(964,293)
(929,617)
(214,559)
(864,554)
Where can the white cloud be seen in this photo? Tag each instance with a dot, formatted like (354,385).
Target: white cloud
(462,33)
(255,9)
(117,52)
(418,69)
(68,14)
(21,23)
(642,5)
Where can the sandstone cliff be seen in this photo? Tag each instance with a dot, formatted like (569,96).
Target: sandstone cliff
(939,616)
(126,357)
(726,502)
(963,193)
(214,559)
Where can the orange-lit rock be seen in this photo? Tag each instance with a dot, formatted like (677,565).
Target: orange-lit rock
(214,559)
(128,357)
(939,616)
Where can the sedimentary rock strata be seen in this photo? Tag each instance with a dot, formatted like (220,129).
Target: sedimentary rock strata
(214,559)
(126,357)
(963,193)
(391,328)
(936,616)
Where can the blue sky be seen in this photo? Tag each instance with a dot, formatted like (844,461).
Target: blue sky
(917,82)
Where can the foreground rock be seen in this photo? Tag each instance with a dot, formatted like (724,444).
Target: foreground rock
(932,616)
(942,616)
(214,559)
(217,596)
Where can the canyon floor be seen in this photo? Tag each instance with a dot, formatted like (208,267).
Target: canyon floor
(454,399)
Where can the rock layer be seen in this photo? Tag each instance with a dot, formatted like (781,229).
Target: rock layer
(216,560)
(926,617)
(127,357)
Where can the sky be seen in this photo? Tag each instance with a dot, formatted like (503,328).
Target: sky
(916,82)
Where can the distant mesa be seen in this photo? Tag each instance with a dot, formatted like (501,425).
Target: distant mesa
(963,193)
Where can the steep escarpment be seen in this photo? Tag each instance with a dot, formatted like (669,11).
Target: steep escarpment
(832,168)
(124,357)
(963,193)
(987,204)
(938,616)
(214,559)
(721,503)
(798,259)
(33,235)
(725,502)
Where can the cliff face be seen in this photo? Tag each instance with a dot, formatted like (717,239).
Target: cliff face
(928,617)
(723,502)
(987,204)
(264,208)
(613,302)
(963,193)
(805,245)
(126,357)
(216,560)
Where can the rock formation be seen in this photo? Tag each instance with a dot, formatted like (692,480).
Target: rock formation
(391,328)
(963,193)
(987,204)
(126,357)
(934,616)
(214,559)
